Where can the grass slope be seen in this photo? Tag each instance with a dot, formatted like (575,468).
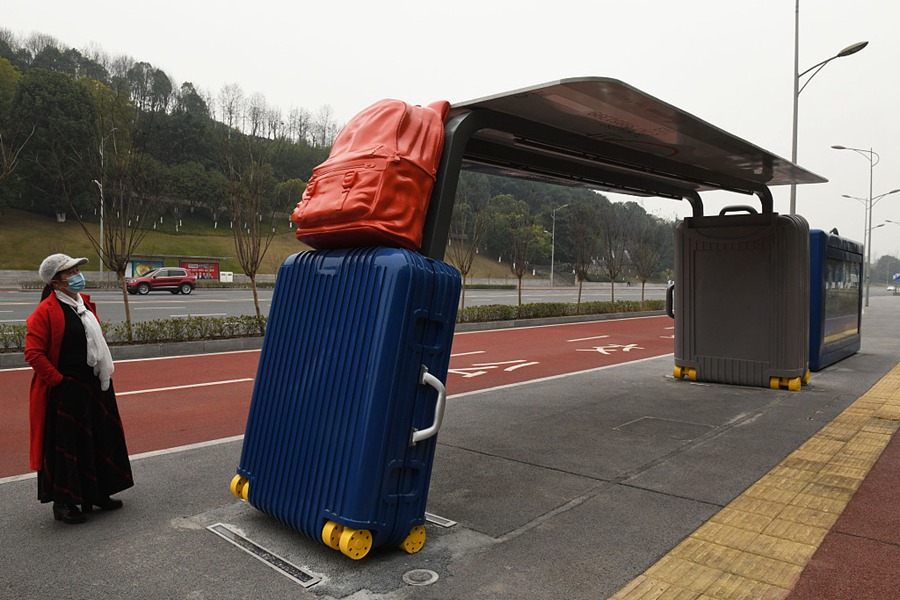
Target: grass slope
(26,238)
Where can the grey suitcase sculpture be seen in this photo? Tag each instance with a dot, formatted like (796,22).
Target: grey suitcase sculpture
(741,301)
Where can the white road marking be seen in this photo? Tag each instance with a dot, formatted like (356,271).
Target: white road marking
(183,387)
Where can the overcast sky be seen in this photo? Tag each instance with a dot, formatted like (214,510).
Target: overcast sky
(729,63)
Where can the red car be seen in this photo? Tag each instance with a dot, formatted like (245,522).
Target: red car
(172,279)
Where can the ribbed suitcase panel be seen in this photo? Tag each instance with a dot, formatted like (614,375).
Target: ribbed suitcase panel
(742,297)
(337,392)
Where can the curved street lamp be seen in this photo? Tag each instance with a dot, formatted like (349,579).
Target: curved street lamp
(873,159)
(865,203)
(851,49)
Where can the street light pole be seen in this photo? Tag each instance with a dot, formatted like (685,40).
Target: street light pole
(873,159)
(553,240)
(100,187)
(865,203)
(852,49)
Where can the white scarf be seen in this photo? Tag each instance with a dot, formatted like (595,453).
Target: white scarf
(98,355)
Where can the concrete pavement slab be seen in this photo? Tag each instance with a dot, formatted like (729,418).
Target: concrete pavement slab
(566,488)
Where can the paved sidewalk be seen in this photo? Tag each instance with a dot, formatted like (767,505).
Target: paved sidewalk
(860,556)
(619,482)
(823,517)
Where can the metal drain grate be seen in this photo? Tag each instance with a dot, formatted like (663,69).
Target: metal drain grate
(298,574)
(440,521)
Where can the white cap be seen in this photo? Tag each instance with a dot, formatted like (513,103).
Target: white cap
(55,263)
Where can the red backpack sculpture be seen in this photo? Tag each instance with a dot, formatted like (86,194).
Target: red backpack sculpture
(375,186)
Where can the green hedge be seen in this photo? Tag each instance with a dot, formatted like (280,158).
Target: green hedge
(12,337)
(188,329)
(503,312)
(201,284)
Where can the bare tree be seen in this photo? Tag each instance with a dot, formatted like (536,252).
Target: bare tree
(299,124)
(324,127)
(246,164)
(647,249)
(127,190)
(614,230)
(583,229)
(9,155)
(467,226)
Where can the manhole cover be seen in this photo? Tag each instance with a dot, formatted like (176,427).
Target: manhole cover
(420,577)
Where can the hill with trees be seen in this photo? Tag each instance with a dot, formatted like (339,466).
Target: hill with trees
(115,140)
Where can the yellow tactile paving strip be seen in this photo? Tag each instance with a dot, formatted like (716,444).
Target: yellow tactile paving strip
(757,546)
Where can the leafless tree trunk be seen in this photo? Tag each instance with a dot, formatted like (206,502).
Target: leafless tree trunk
(251,186)
(467,230)
(614,232)
(9,155)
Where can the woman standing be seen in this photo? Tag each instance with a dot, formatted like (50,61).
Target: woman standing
(77,441)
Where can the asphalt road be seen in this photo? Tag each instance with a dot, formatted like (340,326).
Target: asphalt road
(15,306)
(189,399)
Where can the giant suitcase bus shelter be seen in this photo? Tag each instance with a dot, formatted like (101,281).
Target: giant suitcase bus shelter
(341,433)
(605,135)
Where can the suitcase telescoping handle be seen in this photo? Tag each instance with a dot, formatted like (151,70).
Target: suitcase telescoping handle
(426,378)
(739,208)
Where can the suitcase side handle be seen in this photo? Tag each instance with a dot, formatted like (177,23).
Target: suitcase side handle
(426,378)
(670,301)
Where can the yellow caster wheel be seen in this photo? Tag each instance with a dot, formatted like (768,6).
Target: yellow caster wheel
(806,377)
(775,383)
(239,487)
(692,374)
(794,384)
(415,540)
(331,534)
(355,543)
(678,372)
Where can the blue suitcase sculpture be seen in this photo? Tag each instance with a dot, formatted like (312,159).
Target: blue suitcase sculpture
(348,396)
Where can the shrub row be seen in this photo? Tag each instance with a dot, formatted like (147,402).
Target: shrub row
(12,337)
(202,283)
(503,312)
(188,329)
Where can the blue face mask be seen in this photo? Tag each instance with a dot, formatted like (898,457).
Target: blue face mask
(75,283)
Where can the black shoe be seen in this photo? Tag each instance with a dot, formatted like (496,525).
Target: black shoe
(67,513)
(104,504)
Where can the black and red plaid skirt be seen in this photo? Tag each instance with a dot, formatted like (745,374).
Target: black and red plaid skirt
(85,457)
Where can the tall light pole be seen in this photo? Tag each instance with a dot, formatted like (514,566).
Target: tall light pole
(865,203)
(873,159)
(553,240)
(852,49)
(100,187)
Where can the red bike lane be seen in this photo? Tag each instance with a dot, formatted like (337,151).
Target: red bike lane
(176,401)
(488,359)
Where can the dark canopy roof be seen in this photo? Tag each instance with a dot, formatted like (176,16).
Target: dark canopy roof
(603,134)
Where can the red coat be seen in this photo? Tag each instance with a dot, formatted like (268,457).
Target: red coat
(43,340)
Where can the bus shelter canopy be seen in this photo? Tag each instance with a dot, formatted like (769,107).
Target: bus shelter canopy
(603,134)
